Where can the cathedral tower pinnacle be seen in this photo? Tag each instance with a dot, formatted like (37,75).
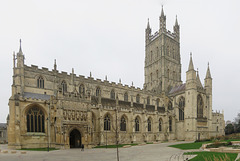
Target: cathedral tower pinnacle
(162,19)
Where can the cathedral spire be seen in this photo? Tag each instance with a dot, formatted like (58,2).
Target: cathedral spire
(208,74)
(190,67)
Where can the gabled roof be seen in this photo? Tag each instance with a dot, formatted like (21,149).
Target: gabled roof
(177,89)
(36,96)
(3,125)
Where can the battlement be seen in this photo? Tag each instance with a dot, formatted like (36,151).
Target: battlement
(67,76)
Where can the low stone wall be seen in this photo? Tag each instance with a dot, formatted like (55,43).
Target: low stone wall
(221,149)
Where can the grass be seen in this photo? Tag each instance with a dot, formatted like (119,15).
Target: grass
(114,146)
(38,149)
(187,146)
(196,145)
(212,156)
(150,143)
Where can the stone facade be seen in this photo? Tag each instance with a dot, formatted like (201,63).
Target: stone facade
(3,133)
(48,107)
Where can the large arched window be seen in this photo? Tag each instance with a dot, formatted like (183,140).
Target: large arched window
(199,107)
(181,108)
(126,97)
(149,122)
(82,90)
(98,91)
(107,123)
(148,100)
(112,94)
(40,82)
(137,122)
(160,125)
(170,124)
(170,105)
(35,120)
(123,125)
(64,86)
(138,98)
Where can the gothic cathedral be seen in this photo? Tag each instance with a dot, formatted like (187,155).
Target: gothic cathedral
(61,110)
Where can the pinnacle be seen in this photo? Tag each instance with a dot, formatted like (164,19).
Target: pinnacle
(208,74)
(190,67)
(162,12)
(176,22)
(20,48)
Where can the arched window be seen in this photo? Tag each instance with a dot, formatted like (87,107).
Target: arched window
(40,82)
(137,124)
(112,94)
(148,100)
(64,86)
(149,122)
(157,74)
(199,107)
(157,102)
(107,123)
(170,124)
(170,105)
(181,108)
(168,74)
(35,120)
(126,97)
(217,129)
(160,125)
(123,124)
(138,98)
(81,90)
(98,91)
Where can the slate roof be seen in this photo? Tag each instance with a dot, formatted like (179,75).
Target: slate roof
(3,125)
(177,89)
(36,96)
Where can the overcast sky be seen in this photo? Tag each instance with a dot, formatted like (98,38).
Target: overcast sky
(107,37)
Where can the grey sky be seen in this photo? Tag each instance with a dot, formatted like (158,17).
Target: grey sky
(107,38)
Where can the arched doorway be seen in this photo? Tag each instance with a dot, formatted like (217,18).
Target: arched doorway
(75,139)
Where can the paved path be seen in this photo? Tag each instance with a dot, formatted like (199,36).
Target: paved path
(150,152)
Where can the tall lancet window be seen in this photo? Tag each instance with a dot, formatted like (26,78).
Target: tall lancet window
(64,87)
(181,108)
(199,106)
(40,82)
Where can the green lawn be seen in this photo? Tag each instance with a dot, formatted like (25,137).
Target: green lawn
(187,146)
(196,145)
(211,156)
(114,146)
(38,149)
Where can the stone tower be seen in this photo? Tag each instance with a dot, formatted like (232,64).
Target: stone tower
(162,58)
